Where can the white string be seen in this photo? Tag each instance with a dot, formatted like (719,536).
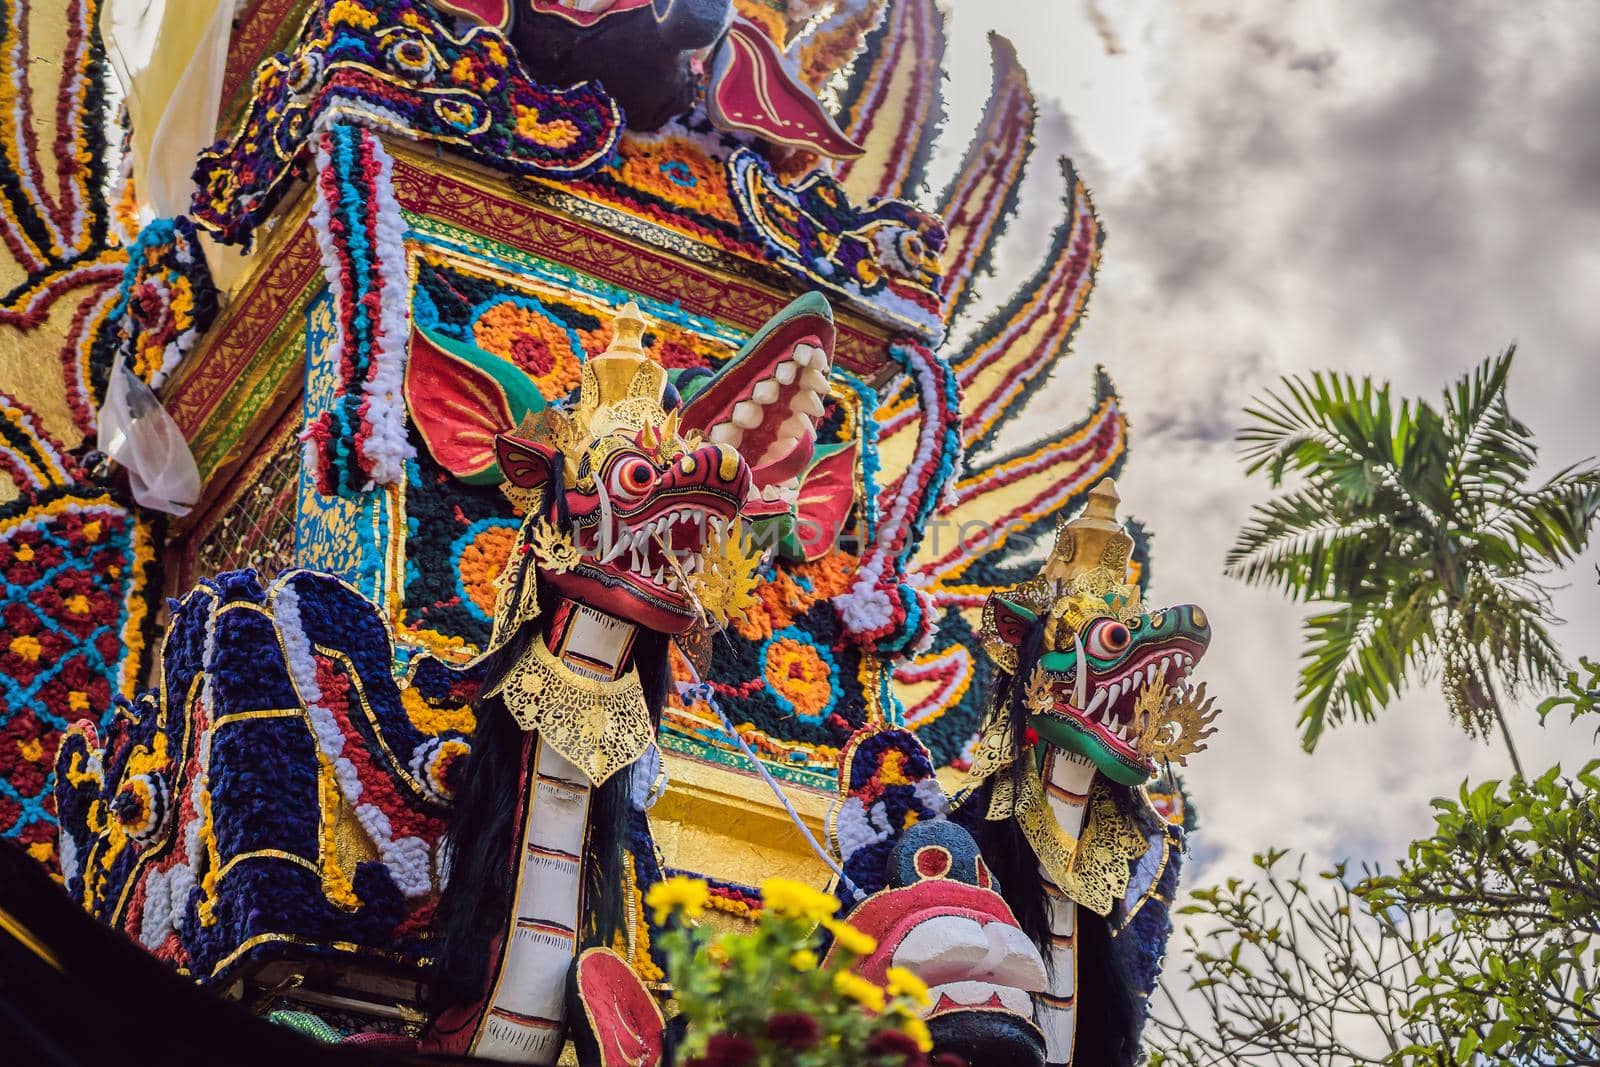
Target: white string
(699,690)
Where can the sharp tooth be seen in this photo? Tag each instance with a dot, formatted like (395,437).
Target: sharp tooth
(617,545)
(814,380)
(1150,675)
(765,392)
(746,415)
(726,433)
(803,354)
(769,492)
(786,372)
(1099,698)
(807,403)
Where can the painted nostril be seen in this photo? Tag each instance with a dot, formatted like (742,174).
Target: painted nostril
(728,463)
(687,463)
(1198,616)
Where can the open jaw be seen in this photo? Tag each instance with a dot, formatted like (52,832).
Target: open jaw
(766,406)
(960,939)
(639,565)
(1103,730)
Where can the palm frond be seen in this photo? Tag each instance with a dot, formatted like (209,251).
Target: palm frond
(1358,656)
(1491,450)
(1317,426)
(1313,546)
(1553,521)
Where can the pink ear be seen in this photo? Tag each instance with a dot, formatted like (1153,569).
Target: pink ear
(526,464)
(826,495)
(1011,622)
(494,13)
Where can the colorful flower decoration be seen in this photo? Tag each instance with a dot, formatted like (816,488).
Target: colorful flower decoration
(478,556)
(165,302)
(886,252)
(800,673)
(678,169)
(75,571)
(436,760)
(141,806)
(360,439)
(522,330)
(393,65)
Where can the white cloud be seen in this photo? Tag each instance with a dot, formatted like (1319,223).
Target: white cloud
(1396,188)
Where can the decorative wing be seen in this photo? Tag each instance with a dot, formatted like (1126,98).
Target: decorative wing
(754,91)
(461,399)
(893,102)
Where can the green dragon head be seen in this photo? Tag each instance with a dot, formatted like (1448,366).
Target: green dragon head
(1109,680)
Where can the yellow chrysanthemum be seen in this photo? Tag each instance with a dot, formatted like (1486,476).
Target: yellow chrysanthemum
(349,13)
(803,960)
(796,900)
(850,939)
(678,894)
(902,983)
(858,989)
(917,1030)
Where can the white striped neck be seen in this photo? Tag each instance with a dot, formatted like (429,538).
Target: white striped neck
(1068,779)
(590,642)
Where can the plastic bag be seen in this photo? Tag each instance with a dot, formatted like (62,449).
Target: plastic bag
(136,432)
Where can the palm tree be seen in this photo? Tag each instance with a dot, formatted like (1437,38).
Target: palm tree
(1420,537)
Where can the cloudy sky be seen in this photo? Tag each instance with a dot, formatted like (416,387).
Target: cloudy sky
(1395,188)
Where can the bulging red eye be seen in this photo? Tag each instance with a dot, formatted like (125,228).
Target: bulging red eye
(632,478)
(1108,640)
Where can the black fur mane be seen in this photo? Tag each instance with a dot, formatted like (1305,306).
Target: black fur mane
(475,904)
(1109,1016)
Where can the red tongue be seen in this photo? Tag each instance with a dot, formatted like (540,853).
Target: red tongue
(790,464)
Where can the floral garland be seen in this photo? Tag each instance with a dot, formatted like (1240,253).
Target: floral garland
(54,220)
(407,857)
(47,229)
(886,784)
(392,65)
(882,610)
(166,299)
(801,674)
(360,440)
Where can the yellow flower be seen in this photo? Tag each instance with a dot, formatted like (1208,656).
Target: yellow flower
(353,14)
(25,553)
(560,133)
(803,960)
(796,900)
(798,673)
(860,990)
(78,701)
(688,895)
(902,983)
(917,1030)
(78,604)
(27,647)
(717,951)
(850,939)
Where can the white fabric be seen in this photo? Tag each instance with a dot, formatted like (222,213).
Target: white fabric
(136,432)
(182,119)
